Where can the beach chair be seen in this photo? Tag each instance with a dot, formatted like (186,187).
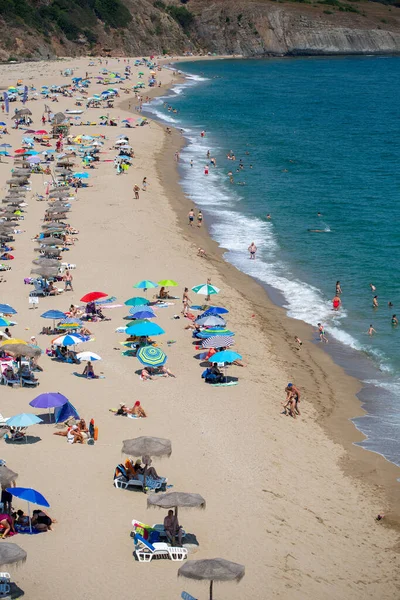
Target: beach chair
(186,596)
(26,382)
(10,380)
(123,482)
(5,585)
(159,527)
(145,552)
(39,289)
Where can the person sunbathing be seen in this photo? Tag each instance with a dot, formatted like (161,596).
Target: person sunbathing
(136,410)
(41,520)
(150,372)
(51,289)
(74,436)
(89,371)
(7,521)
(150,471)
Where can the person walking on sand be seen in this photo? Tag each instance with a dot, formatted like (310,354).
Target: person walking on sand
(371,330)
(375,302)
(136,190)
(292,402)
(336,302)
(186,301)
(252,249)
(144,184)
(199,218)
(68,281)
(298,342)
(322,335)
(208,297)
(191,217)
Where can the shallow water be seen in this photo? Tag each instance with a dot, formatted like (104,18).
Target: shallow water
(322,135)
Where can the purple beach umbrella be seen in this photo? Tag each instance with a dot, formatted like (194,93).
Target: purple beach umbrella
(48,400)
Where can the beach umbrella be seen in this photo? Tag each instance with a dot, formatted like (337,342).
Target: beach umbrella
(53,314)
(145,329)
(21,113)
(147,447)
(206,289)
(13,342)
(70,323)
(92,356)
(4,322)
(212,569)
(136,301)
(167,283)
(34,160)
(143,314)
(145,284)
(23,420)
(218,341)
(93,296)
(49,241)
(210,321)
(150,356)
(69,340)
(207,333)
(6,309)
(46,262)
(19,350)
(176,500)
(48,400)
(31,497)
(81,175)
(45,272)
(11,554)
(226,356)
(215,310)
(7,477)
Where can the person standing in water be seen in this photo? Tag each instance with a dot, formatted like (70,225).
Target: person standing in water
(191,163)
(395,320)
(252,249)
(338,288)
(373,288)
(336,303)
(371,330)
(321,332)
(375,302)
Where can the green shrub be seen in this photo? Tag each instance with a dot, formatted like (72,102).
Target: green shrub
(160,4)
(182,15)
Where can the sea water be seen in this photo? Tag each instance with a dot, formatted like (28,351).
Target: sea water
(315,135)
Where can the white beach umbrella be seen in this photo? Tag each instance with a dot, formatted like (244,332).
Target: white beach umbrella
(88,356)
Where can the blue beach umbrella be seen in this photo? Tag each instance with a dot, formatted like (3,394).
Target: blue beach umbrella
(6,309)
(4,322)
(144,314)
(31,497)
(4,153)
(69,340)
(81,175)
(5,146)
(53,314)
(23,420)
(215,310)
(214,331)
(151,356)
(48,400)
(136,309)
(145,284)
(145,329)
(136,301)
(226,356)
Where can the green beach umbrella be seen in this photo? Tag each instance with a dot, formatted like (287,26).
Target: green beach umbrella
(4,322)
(151,356)
(167,283)
(136,301)
(206,289)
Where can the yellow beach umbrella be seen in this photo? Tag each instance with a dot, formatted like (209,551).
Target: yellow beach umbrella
(13,341)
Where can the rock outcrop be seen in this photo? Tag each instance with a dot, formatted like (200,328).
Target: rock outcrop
(248,27)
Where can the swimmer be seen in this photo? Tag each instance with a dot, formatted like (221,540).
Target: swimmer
(371,330)
(319,214)
(268,216)
(322,335)
(395,320)
(390,304)
(338,289)
(373,288)
(317,230)
(206,170)
(375,302)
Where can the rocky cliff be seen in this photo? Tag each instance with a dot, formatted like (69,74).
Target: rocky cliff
(49,28)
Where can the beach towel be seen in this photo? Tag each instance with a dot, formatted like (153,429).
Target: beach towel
(228,383)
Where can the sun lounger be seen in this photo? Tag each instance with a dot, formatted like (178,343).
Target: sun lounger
(159,527)
(186,596)
(145,552)
(39,290)
(122,481)
(13,381)
(26,382)
(5,585)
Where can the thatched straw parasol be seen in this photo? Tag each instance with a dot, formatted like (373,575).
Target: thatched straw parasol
(212,569)
(11,554)
(45,271)
(176,500)
(21,113)
(21,350)
(50,241)
(46,262)
(7,477)
(147,447)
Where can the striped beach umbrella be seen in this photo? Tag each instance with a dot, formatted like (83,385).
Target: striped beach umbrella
(68,340)
(151,356)
(205,289)
(146,284)
(218,341)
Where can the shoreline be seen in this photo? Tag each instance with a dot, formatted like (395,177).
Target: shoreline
(344,403)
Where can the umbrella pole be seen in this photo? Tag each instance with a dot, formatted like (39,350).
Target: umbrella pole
(144,477)
(49,415)
(30,520)
(211,589)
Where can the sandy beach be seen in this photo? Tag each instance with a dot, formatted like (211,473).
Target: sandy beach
(293,500)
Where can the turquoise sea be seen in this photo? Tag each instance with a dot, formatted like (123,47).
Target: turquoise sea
(315,135)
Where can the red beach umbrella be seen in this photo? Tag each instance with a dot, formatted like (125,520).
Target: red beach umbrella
(20,151)
(93,296)
(41,132)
